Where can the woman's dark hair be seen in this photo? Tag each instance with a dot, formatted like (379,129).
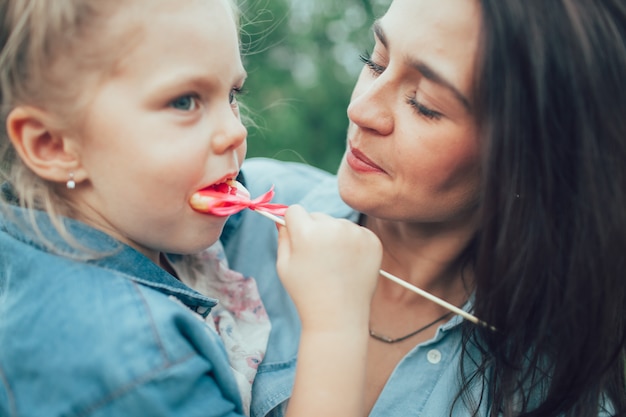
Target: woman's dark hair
(551,251)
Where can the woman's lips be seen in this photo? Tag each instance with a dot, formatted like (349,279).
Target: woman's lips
(359,162)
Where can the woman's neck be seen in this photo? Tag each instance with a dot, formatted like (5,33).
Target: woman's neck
(427,255)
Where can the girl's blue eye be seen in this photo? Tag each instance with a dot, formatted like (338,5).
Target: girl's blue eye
(186,103)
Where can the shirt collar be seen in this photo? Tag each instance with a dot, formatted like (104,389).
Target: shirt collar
(325,198)
(113,255)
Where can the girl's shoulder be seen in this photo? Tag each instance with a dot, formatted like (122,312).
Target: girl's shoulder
(96,338)
(98,307)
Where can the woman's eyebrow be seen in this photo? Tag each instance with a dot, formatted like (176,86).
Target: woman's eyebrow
(426,70)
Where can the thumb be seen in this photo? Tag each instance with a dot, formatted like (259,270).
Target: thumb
(288,236)
(284,248)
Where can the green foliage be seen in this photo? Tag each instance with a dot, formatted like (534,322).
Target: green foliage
(302,58)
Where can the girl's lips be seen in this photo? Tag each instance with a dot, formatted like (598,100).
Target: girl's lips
(217,195)
(359,162)
(228,185)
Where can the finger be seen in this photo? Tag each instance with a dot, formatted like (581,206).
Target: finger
(297,221)
(295,213)
(283,252)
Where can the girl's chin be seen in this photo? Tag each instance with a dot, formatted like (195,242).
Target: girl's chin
(203,237)
(194,248)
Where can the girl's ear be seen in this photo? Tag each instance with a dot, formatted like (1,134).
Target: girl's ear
(48,153)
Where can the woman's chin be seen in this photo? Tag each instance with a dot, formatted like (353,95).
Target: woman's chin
(351,192)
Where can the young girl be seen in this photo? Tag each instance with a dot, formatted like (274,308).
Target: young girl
(116,113)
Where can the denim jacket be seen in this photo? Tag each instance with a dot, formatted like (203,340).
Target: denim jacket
(116,336)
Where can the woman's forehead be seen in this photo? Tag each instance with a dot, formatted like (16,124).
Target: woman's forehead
(442,36)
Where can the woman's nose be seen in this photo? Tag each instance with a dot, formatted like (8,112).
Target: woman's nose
(370,107)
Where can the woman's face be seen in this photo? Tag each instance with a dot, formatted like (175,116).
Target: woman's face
(412,153)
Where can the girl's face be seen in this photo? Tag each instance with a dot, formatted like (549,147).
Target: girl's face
(412,151)
(163,125)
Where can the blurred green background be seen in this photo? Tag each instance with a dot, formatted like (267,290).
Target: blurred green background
(302,58)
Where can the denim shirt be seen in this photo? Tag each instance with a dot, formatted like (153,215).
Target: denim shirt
(117,336)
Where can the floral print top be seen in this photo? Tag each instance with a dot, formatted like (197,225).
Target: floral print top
(239,317)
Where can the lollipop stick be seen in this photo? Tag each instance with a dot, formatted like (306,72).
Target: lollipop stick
(436,300)
(406,285)
(271,216)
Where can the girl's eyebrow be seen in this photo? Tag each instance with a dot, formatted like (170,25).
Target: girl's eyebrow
(426,70)
(195,77)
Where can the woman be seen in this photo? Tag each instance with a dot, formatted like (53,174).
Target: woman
(487,151)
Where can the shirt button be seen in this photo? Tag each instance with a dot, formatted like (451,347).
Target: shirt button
(433,356)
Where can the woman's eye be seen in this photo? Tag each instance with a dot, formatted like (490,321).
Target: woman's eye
(186,103)
(423,110)
(373,66)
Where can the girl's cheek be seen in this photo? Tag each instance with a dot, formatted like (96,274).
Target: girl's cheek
(241,151)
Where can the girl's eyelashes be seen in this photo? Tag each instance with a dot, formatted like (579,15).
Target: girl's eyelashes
(188,102)
(423,110)
(366,58)
(234,93)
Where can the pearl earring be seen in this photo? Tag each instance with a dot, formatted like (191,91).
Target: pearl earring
(71,184)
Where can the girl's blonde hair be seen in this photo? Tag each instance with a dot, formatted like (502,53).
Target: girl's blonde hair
(50,51)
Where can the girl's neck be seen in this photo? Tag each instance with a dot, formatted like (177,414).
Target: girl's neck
(165,264)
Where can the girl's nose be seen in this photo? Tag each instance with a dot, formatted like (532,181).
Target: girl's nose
(230,134)
(371,105)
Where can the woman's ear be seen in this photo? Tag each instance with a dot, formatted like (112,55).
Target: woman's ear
(46,151)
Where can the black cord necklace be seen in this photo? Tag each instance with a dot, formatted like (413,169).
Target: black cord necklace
(387,339)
